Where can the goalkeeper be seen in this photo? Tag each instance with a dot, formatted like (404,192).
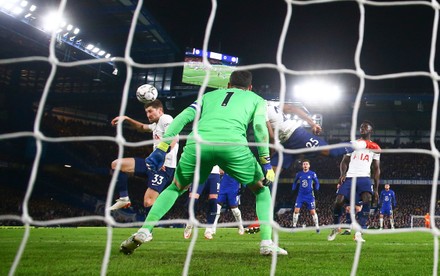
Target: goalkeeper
(225,115)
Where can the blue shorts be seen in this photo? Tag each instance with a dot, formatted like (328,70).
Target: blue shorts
(210,185)
(309,200)
(363,184)
(386,211)
(300,139)
(157,181)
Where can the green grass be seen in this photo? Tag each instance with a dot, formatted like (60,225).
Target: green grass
(80,251)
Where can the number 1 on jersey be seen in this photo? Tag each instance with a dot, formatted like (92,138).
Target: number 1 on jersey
(227,98)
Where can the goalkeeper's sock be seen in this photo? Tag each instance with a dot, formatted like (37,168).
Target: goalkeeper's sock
(212,212)
(122,184)
(263,201)
(162,205)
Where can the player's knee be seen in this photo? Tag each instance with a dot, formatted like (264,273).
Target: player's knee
(366,198)
(148,202)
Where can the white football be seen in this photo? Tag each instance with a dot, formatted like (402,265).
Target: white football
(146,93)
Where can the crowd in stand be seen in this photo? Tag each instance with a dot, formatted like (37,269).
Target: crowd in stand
(61,194)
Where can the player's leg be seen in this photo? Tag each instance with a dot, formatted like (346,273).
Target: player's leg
(194,195)
(338,206)
(233,201)
(127,166)
(301,138)
(296,214)
(182,179)
(347,220)
(391,216)
(312,208)
(156,182)
(381,220)
(240,163)
(217,215)
(212,182)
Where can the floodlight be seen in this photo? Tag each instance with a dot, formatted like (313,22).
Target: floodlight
(90,47)
(317,91)
(51,21)
(101,53)
(69,27)
(33,8)
(17,10)
(107,55)
(27,15)
(24,3)
(76,31)
(95,50)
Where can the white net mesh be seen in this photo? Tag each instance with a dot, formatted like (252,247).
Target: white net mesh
(55,65)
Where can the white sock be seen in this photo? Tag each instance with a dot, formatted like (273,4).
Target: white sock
(237,216)
(295,219)
(217,216)
(315,219)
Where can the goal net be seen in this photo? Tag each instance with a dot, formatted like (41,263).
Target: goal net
(419,221)
(35,138)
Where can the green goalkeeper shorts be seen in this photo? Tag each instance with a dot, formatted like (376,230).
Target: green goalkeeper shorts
(238,161)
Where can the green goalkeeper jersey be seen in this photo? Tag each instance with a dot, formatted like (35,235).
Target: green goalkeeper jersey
(225,115)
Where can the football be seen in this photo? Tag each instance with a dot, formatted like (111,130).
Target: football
(146,93)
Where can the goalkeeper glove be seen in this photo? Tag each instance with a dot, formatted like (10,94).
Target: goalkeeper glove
(156,159)
(269,174)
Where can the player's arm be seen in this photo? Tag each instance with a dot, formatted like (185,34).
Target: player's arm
(133,123)
(289,108)
(261,134)
(376,176)
(343,168)
(317,185)
(294,182)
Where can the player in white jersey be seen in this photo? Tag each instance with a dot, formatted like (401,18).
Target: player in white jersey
(156,181)
(357,167)
(292,135)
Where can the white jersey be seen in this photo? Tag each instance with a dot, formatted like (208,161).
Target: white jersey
(276,117)
(360,162)
(158,130)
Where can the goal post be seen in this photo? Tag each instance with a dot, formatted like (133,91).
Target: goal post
(419,221)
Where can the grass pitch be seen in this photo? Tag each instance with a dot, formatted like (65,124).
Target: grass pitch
(80,251)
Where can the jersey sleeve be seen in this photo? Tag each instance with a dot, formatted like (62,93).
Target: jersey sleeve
(315,178)
(260,129)
(181,120)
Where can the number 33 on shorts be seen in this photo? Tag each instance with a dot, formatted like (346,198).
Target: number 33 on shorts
(157,180)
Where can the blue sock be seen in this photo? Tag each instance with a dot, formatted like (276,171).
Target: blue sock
(122,184)
(364,215)
(337,213)
(347,218)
